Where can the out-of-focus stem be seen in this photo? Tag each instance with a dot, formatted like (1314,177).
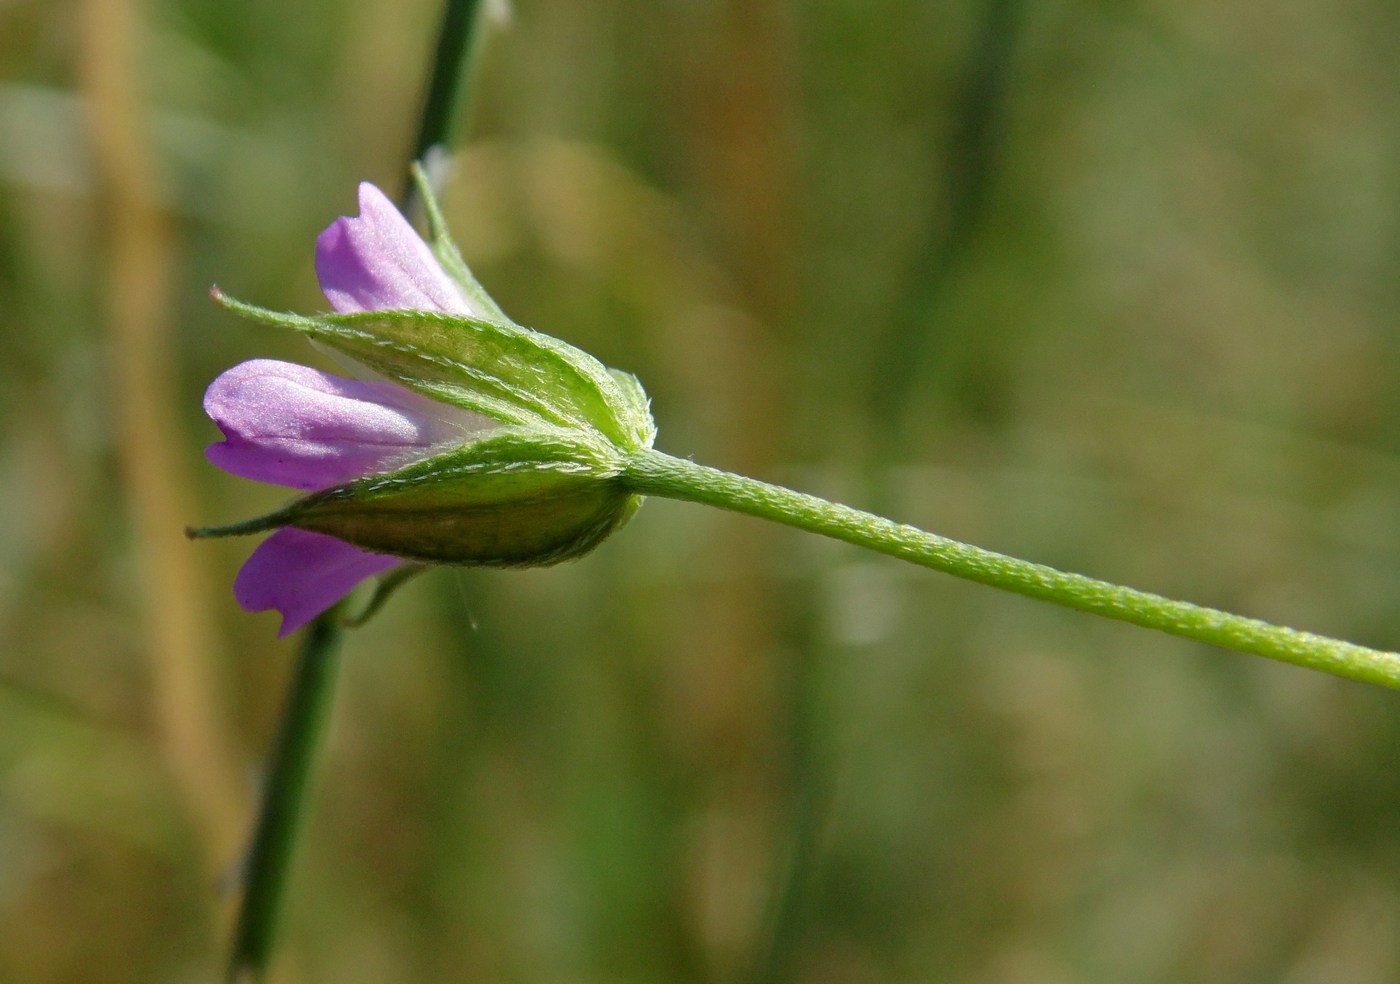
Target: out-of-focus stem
(135,294)
(912,340)
(446,103)
(308,704)
(285,797)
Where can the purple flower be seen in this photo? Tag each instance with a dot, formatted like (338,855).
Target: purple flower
(473,441)
(309,430)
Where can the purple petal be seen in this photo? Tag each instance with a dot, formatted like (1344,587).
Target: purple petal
(375,261)
(301,574)
(299,427)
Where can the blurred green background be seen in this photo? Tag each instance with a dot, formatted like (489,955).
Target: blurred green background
(1109,285)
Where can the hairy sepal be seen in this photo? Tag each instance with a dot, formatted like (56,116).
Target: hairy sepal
(513,499)
(518,376)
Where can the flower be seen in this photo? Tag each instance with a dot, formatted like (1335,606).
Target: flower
(475,441)
(299,427)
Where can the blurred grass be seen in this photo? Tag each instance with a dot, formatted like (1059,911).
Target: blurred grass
(1166,354)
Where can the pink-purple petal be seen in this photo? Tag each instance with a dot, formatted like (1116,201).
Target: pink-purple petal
(375,262)
(301,574)
(299,427)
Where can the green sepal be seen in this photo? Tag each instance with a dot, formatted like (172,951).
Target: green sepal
(522,378)
(638,406)
(511,499)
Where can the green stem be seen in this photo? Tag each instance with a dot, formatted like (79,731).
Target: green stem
(308,704)
(284,799)
(655,473)
(445,106)
(913,340)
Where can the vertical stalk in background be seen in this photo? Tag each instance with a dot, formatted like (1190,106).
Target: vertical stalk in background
(898,353)
(798,871)
(284,800)
(734,89)
(135,297)
(911,339)
(445,106)
(971,162)
(308,704)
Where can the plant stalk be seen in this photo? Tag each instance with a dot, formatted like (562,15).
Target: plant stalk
(654,473)
(285,797)
(447,100)
(309,702)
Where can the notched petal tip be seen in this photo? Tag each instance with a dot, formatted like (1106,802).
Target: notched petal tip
(375,262)
(301,574)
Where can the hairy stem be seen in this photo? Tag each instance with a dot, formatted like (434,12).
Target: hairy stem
(655,473)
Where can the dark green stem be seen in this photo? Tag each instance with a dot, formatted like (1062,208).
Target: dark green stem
(285,797)
(308,704)
(654,473)
(914,338)
(445,107)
